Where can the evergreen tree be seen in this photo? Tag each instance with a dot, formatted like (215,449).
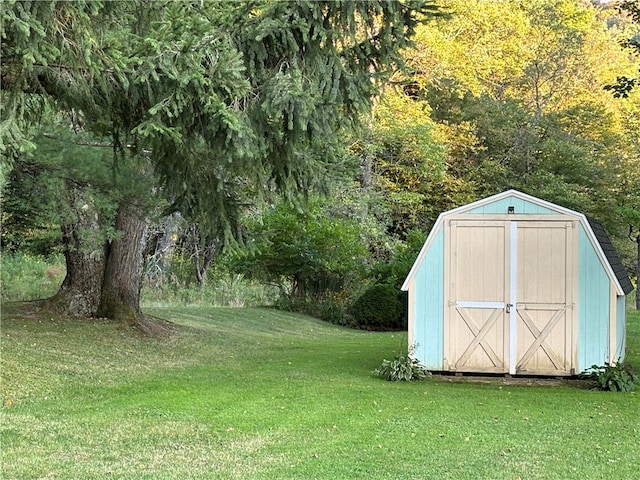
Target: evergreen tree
(203,96)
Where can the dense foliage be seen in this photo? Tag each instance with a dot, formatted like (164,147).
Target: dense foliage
(203,104)
(625,83)
(171,130)
(305,252)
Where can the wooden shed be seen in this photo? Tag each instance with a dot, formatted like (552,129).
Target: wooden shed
(512,284)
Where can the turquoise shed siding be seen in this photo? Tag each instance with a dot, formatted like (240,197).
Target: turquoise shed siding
(520,207)
(593,307)
(429,306)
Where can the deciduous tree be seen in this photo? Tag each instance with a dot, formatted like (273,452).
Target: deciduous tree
(625,83)
(306,253)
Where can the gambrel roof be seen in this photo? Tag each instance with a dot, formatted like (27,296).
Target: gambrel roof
(611,255)
(594,230)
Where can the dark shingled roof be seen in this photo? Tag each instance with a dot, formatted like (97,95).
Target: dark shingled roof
(612,256)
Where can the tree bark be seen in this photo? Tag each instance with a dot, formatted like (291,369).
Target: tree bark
(638,272)
(106,282)
(120,299)
(298,290)
(204,249)
(161,243)
(79,294)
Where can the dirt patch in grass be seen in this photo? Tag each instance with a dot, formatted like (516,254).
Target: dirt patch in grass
(31,310)
(156,327)
(40,310)
(517,381)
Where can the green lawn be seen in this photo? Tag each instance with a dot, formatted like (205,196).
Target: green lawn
(262,394)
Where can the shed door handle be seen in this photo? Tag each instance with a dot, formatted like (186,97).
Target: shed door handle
(509,305)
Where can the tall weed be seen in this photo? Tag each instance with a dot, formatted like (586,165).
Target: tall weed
(27,277)
(224,290)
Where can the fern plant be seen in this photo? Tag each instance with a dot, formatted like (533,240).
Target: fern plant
(617,377)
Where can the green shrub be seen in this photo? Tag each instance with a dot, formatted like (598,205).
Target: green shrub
(618,377)
(402,368)
(378,308)
(307,252)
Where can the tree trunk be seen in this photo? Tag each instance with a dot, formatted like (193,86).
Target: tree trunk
(204,249)
(298,290)
(161,243)
(120,299)
(638,272)
(79,294)
(104,280)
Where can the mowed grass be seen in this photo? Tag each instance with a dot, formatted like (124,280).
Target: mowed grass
(261,394)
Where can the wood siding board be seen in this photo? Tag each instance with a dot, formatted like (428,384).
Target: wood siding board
(431,238)
(429,306)
(621,328)
(612,324)
(411,313)
(520,206)
(505,217)
(593,328)
(446,330)
(575,309)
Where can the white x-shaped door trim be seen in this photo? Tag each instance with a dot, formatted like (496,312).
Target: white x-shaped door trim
(479,333)
(540,339)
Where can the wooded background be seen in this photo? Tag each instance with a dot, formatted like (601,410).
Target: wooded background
(305,145)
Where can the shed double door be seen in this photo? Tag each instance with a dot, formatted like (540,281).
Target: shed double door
(510,289)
